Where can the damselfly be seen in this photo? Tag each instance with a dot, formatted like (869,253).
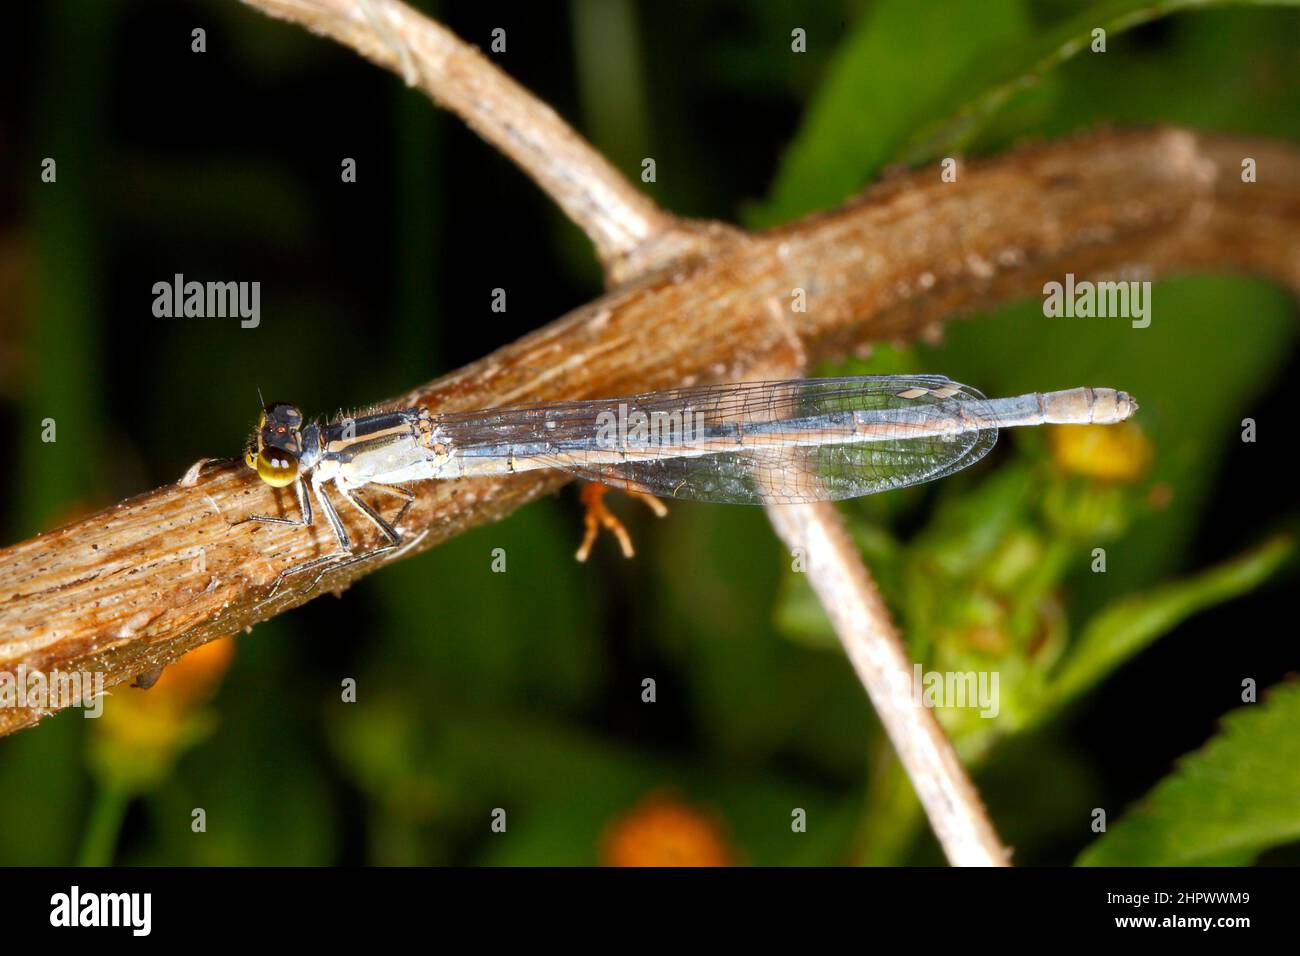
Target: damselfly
(752,443)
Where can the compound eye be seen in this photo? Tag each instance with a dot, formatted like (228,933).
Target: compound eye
(277,467)
(282,413)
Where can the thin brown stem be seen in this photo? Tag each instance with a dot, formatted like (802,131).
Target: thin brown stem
(858,613)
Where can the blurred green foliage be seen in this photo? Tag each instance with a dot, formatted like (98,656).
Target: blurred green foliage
(522,690)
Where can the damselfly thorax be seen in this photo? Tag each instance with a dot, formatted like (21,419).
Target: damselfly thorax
(750,443)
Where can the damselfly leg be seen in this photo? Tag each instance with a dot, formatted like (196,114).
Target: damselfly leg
(347,558)
(304,518)
(394,537)
(346,555)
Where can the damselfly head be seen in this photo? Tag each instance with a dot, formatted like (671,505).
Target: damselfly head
(276,447)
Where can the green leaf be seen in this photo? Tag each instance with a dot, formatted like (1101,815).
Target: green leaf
(891,73)
(1224,70)
(1227,802)
(886,99)
(1019,66)
(1135,621)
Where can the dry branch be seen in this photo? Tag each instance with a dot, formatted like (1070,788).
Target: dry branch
(125,590)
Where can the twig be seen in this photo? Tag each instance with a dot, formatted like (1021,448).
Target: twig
(845,588)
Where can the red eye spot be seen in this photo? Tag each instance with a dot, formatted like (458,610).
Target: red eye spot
(280,429)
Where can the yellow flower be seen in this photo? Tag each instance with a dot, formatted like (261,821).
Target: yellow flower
(1106,452)
(664,831)
(141,732)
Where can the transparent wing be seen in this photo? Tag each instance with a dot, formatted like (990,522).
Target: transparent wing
(830,473)
(781,442)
